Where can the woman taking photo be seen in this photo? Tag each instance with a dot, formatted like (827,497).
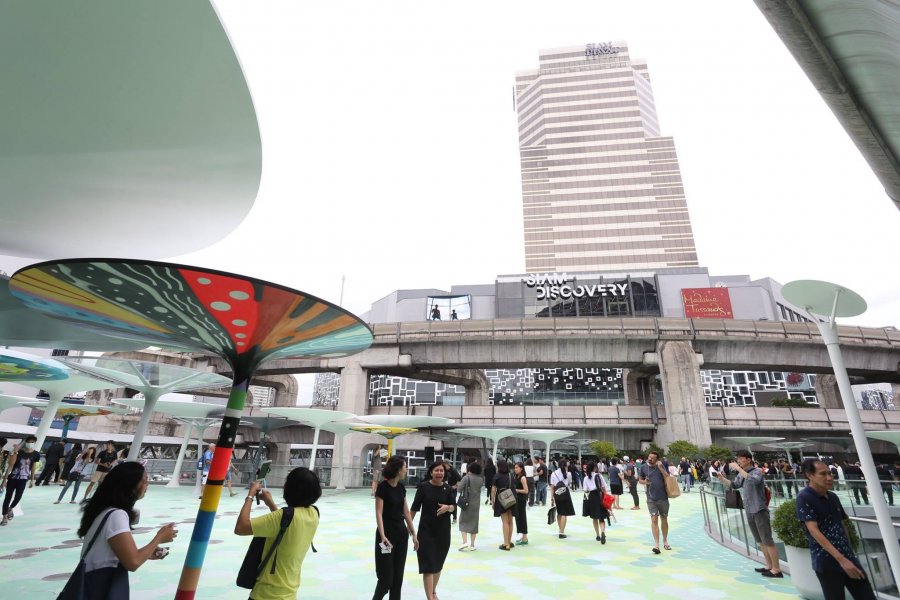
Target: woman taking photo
(561,497)
(74,474)
(106,529)
(595,487)
(520,480)
(503,480)
(469,496)
(434,499)
(394,526)
(301,490)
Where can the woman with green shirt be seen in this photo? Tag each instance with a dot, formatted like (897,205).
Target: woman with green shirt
(301,490)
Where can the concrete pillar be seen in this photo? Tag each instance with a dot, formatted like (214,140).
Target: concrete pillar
(686,418)
(477,392)
(827,391)
(354,397)
(634,383)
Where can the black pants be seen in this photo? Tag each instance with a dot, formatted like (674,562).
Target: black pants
(530,481)
(859,489)
(521,514)
(890,493)
(49,470)
(833,585)
(13,486)
(389,567)
(633,490)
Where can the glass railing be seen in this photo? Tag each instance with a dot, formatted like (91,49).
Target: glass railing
(729,527)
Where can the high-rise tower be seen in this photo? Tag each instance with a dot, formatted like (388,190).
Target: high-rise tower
(601,188)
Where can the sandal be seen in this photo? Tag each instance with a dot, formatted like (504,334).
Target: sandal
(655,550)
(667,547)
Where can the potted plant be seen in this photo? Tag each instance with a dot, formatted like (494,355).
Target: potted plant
(793,533)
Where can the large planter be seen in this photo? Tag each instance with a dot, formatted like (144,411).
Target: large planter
(802,575)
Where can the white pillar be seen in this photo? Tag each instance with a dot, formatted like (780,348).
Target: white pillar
(176,475)
(882,515)
(53,403)
(339,449)
(150,398)
(312,452)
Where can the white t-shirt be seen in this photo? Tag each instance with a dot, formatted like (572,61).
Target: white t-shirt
(529,471)
(558,476)
(589,485)
(101,554)
(463,469)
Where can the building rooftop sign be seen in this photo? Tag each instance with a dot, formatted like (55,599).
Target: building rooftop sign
(555,285)
(601,49)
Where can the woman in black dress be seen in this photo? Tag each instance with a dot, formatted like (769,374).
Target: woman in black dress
(560,481)
(521,488)
(489,472)
(594,487)
(435,500)
(394,528)
(503,480)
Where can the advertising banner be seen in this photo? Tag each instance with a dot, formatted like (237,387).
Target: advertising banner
(707,303)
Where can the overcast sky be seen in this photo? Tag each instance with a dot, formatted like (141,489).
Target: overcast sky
(390,150)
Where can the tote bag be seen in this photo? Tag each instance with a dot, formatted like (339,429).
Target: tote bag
(107,583)
(672,488)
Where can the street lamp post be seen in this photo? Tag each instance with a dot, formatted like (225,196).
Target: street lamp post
(823,298)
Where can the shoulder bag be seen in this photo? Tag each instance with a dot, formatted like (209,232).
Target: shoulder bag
(107,583)
(507,497)
(462,501)
(672,488)
(561,489)
(733,499)
(254,563)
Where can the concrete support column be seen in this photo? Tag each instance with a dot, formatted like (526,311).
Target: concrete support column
(634,384)
(477,392)
(686,418)
(354,398)
(827,391)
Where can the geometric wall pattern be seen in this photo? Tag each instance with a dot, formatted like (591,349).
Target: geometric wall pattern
(737,388)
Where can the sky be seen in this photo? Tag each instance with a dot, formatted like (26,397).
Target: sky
(390,156)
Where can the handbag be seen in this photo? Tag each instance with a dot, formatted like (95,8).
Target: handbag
(733,499)
(672,488)
(507,497)
(551,515)
(462,502)
(254,563)
(107,583)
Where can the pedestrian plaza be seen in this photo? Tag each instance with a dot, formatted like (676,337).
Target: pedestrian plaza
(40,548)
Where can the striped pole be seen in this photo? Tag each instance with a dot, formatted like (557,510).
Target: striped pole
(209,504)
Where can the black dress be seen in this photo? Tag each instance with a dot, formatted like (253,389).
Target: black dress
(434,529)
(389,567)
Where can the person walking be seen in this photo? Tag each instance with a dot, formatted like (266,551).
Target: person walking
(452,478)
(632,481)
(503,480)
(684,474)
(69,461)
(434,499)
(21,466)
(104,462)
(615,481)
(394,526)
(52,458)
(833,559)
(376,464)
(301,491)
(856,482)
(469,505)
(561,498)
(529,475)
(231,468)
(520,483)
(541,478)
(106,525)
(205,464)
(653,476)
(750,479)
(594,488)
(74,475)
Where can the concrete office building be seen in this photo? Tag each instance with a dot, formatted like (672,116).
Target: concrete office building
(601,187)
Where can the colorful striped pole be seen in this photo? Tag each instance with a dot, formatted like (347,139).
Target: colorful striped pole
(209,504)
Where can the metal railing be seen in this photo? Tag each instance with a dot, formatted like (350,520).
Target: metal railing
(729,527)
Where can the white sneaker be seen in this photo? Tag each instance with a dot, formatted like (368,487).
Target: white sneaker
(464,548)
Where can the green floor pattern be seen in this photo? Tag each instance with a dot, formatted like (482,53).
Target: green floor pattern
(39,548)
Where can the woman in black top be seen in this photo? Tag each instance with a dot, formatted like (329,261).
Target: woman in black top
(435,500)
(521,488)
(489,472)
(503,480)
(394,528)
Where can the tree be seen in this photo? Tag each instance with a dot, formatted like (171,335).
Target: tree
(660,451)
(604,449)
(714,452)
(680,448)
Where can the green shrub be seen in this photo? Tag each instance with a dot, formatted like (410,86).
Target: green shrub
(714,452)
(793,533)
(680,448)
(604,449)
(792,403)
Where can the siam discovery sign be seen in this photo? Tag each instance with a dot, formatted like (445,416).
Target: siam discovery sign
(707,303)
(555,285)
(601,49)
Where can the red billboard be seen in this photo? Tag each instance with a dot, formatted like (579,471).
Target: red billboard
(707,303)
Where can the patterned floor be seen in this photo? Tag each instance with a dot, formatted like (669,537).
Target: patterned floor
(39,548)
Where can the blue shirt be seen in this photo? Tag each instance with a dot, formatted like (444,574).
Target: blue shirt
(828,513)
(207,461)
(656,489)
